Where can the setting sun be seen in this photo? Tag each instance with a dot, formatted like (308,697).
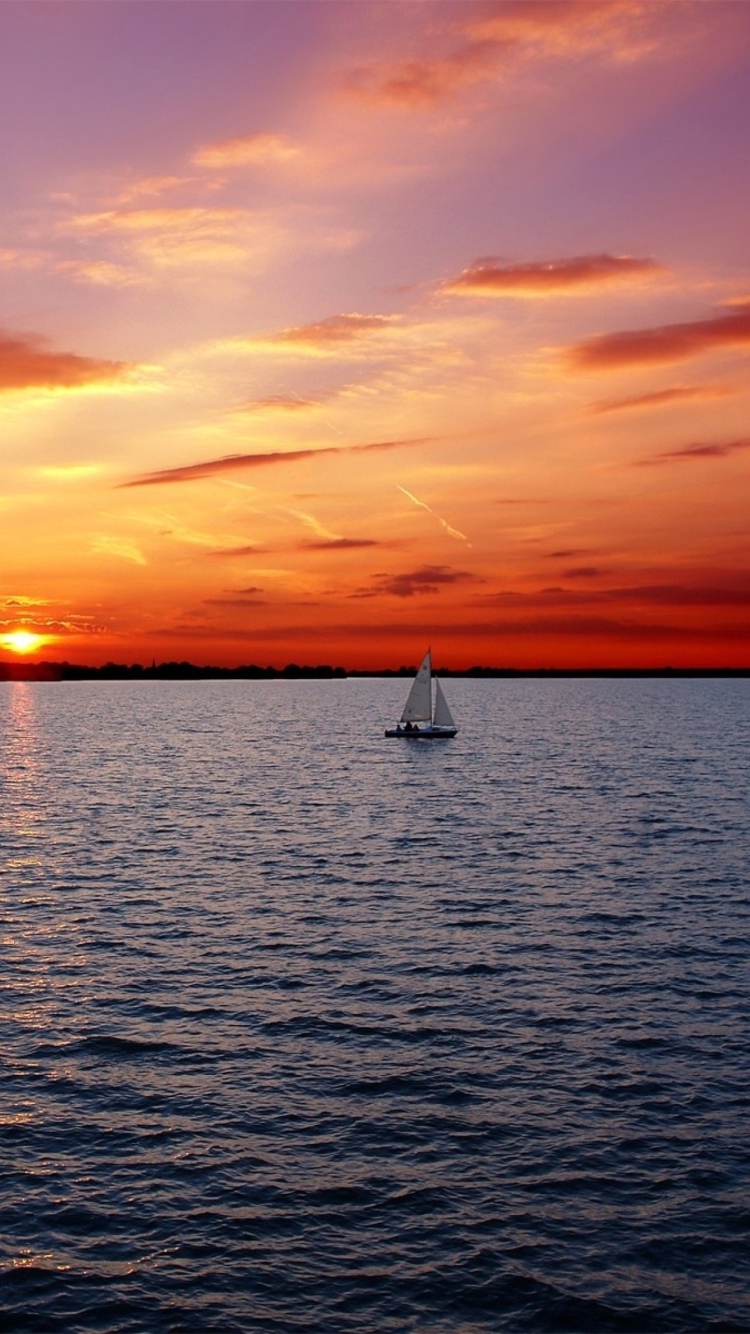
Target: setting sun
(22,641)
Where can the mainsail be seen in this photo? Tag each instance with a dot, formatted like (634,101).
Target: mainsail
(418,707)
(443,716)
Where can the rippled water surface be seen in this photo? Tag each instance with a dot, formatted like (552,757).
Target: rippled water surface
(308,1030)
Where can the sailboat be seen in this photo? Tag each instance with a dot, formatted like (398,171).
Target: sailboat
(419,709)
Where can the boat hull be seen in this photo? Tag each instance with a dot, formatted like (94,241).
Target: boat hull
(422,733)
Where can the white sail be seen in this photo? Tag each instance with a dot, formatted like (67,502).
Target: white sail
(443,716)
(418,707)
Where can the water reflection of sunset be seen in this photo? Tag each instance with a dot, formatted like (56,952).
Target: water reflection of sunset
(21,813)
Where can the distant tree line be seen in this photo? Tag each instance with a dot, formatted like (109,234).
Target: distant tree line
(163,671)
(190,671)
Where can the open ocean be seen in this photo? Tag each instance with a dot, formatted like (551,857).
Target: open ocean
(303,1029)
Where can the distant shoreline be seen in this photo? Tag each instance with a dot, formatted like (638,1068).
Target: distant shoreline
(188,671)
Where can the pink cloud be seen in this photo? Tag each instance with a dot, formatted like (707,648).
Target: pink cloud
(334,329)
(667,342)
(492,39)
(489,278)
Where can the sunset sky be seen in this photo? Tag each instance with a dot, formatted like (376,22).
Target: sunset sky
(332,329)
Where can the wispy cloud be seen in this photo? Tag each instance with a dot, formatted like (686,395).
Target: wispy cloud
(563,26)
(310,521)
(120,548)
(21,600)
(696,594)
(26,362)
(422,504)
(694,453)
(666,342)
(48,625)
(250,150)
(357,337)
(493,40)
(336,329)
(193,472)
(247,549)
(171,237)
(177,221)
(342,544)
(658,398)
(99,272)
(422,83)
(151,187)
(582,273)
(22,259)
(279,403)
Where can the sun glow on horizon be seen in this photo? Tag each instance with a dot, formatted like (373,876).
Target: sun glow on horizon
(22,641)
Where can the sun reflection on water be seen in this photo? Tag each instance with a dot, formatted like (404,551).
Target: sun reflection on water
(21,813)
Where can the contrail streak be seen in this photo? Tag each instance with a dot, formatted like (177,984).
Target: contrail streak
(452,532)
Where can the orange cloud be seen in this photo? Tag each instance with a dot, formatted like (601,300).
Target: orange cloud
(173,236)
(667,342)
(561,27)
(51,626)
(422,83)
(193,472)
(334,329)
(341,544)
(151,185)
(488,278)
(659,397)
(690,453)
(247,151)
(20,600)
(494,38)
(177,221)
(26,363)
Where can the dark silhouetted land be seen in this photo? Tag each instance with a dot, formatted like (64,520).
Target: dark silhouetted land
(189,671)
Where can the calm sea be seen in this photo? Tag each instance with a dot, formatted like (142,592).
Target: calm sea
(308,1030)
